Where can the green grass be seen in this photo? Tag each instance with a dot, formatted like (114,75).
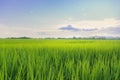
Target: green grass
(59,59)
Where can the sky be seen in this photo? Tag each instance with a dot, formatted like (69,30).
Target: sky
(59,18)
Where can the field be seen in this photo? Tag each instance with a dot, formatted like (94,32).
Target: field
(59,59)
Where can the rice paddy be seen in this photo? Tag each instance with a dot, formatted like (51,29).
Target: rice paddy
(59,59)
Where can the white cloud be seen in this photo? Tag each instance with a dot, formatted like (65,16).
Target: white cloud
(93,23)
(10,31)
(86,28)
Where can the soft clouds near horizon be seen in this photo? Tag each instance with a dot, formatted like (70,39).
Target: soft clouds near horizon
(108,27)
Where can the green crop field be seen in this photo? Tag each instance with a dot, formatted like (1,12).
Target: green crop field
(59,59)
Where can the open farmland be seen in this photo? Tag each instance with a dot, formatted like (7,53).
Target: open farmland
(59,59)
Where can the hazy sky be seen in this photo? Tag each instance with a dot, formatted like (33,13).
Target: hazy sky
(59,18)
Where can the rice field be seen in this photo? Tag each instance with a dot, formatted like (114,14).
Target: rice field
(59,59)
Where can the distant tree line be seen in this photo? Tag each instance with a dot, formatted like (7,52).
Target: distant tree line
(19,37)
(24,37)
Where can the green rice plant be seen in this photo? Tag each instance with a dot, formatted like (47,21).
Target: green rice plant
(59,59)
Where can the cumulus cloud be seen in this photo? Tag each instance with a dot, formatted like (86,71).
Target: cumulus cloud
(111,30)
(92,29)
(69,28)
(94,23)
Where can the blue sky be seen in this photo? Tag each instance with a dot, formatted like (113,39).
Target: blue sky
(35,17)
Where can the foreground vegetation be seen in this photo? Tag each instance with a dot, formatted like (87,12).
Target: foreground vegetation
(32,59)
